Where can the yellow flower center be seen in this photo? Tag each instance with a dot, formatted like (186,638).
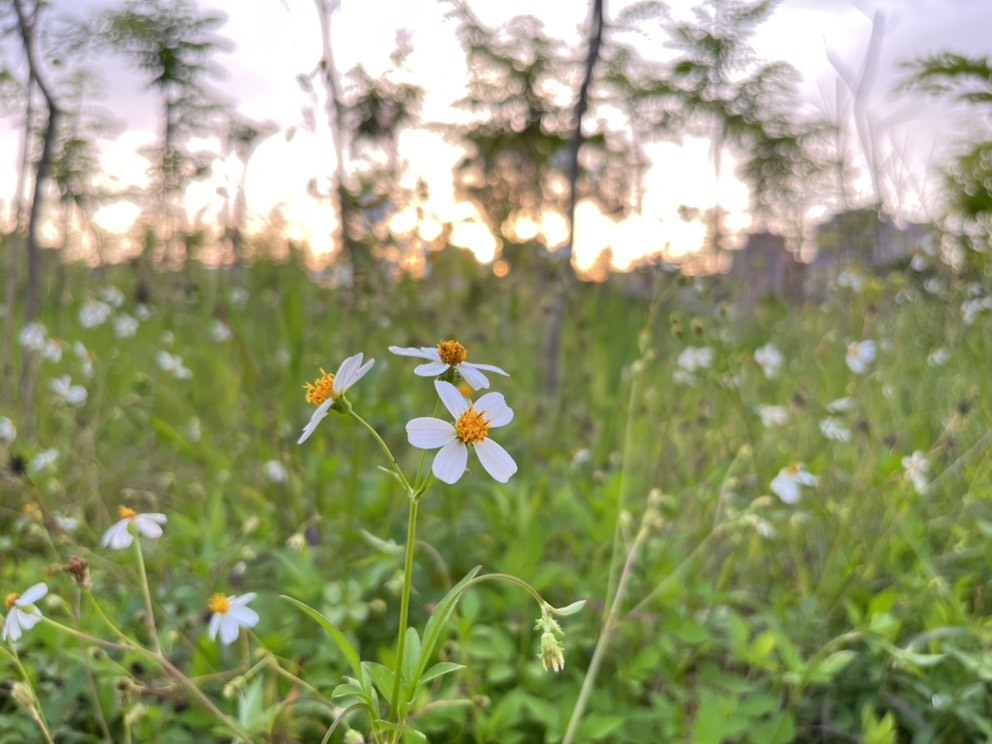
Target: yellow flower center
(219,603)
(12,598)
(321,390)
(792,470)
(472,427)
(854,350)
(452,352)
(127,513)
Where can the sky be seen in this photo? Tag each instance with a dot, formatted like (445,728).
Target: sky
(273,41)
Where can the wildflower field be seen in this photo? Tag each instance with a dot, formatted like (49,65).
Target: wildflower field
(758,526)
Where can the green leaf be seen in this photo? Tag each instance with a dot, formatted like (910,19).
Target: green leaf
(569,609)
(343,644)
(382,677)
(411,661)
(439,670)
(824,671)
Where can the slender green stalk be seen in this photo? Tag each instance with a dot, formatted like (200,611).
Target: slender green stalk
(411,541)
(148,596)
(385,448)
(36,712)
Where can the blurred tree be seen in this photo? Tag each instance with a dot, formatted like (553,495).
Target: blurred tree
(243,136)
(967,180)
(172,43)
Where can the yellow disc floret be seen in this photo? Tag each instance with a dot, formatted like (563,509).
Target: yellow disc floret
(126,513)
(792,470)
(452,352)
(219,603)
(12,598)
(321,390)
(472,427)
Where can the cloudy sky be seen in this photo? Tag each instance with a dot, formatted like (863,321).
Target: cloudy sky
(275,40)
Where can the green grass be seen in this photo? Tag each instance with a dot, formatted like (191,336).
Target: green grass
(860,614)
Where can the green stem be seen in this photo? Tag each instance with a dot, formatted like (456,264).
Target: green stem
(36,712)
(385,448)
(148,596)
(411,534)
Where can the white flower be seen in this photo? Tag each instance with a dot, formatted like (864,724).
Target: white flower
(786,484)
(74,395)
(275,471)
(112,296)
(841,405)
(85,361)
(695,357)
(51,350)
(21,613)
(219,331)
(935,286)
(8,432)
(120,535)
(447,355)
(173,364)
(938,357)
(860,354)
(329,388)
(33,336)
(94,313)
(833,429)
(684,378)
(471,429)
(125,326)
(43,460)
(851,279)
(770,360)
(772,416)
(142,312)
(230,615)
(916,467)
(919,262)
(66,524)
(239,296)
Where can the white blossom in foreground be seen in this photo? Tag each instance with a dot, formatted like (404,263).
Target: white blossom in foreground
(833,429)
(449,355)
(326,391)
(772,416)
(471,429)
(120,535)
(21,613)
(860,355)
(173,364)
(230,615)
(770,359)
(74,395)
(916,468)
(787,483)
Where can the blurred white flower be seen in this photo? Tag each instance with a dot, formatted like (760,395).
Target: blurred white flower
(772,416)
(449,355)
(219,331)
(581,457)
(43,460)
(841,405)
(916,468)
(833,429)
(230,615)
(125,326)
(141,312)
(695,357)
(8,432)
(51,350)
(325,392)
(938,357)
(851,279)
(239,296)
(919,262)
(935,286)
(683,377)
(770,360)
(85,361)
(860,355)
(173,364)
(112,296)
(471,429)
(94,313)
(66,524)
(121,536)
(33,336)
(786,484)
(74,395)
(21,612)
(275,471)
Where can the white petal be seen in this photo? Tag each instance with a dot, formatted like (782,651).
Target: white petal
(420,352)
(33,594)
(488,368)
(429,433)
(27,620)
(148,524)
(243,599)
(495,460)
(362,371)
(11,629)
(453,400)
(431,369)
(450,461)
(245,616)
(495,408)
(472,376)
(214,625)
(117,537)
(315,419)
(229,629)
(342,379)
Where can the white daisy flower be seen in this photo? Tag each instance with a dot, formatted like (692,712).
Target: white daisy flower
(860,355)
(21,613)
(325,392)
(8,432)
(471,429)
(219,331)
(173,364)
(770,360)
(851,279)
(833,429)
(239,296)
(231,614)
(786,484)
(125,326)
(772,416)
(33,336)
(275,471)
(695,357)
(916,467)
(43,460)
(938,357)
(94,313)
(449,355)
(51,350)
(112,296)
(85,361)
(841,405)
(74,395)
(121,536)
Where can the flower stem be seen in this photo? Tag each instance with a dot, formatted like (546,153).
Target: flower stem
(148,596)
(385,448)
(36,712)
(411,534)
